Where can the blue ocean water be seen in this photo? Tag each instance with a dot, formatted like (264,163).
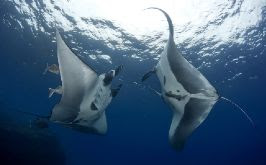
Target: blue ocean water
(138,120)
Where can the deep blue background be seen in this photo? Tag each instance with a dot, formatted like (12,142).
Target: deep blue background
(138,120)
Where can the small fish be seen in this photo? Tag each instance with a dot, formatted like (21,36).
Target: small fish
(57,90)
(52,68)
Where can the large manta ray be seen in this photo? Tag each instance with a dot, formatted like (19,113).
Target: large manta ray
(189,94)
(85,94)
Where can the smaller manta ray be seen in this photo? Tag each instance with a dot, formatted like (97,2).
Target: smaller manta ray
(85,94)
(189,94)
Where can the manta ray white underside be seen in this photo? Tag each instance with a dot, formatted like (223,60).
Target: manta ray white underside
(84,94)
(184,88)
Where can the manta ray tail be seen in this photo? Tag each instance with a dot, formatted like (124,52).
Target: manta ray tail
(147,75)
(170,24)
(155,91)
(241,109)
(33,114)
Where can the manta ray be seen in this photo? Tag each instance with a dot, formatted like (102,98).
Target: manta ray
(188,93)
(85,94)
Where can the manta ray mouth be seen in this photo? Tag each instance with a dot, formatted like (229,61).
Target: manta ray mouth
(118,70)
(109,77)
(111,74)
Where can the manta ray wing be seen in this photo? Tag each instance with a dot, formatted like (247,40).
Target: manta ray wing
(194,113)
(185,89)
(77,79)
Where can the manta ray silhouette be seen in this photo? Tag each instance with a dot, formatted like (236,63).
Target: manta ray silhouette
(189,94)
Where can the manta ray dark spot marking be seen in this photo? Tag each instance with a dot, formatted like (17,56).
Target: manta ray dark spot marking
(98,95)
(93,107)
(171,94)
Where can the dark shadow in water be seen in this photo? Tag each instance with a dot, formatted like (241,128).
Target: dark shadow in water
(21,143)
